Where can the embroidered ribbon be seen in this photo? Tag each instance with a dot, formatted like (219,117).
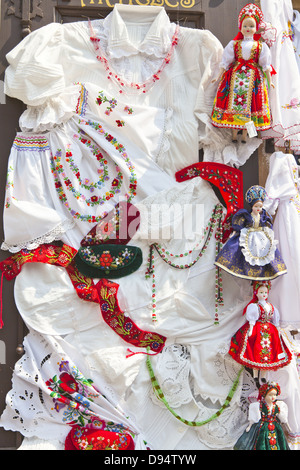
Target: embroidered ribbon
(228,180)
(159,394)
(104,293)
(122,324)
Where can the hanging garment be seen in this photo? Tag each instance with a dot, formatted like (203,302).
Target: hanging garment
(284,100)
(282,187)
(296,35)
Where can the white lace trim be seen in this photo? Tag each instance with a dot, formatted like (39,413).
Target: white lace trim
(53,235)
(52,113)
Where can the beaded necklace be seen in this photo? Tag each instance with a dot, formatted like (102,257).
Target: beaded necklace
(214,222)
(160,395)
(120,82)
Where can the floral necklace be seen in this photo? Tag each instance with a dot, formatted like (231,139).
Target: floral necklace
(113,76)
(214,222)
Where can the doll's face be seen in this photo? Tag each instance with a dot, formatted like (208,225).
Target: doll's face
(248,28)
(262,293)
(257,208)
(271,396)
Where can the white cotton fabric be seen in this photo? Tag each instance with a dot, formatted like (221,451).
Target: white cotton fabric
(282,187)
(284,100)
(48,71)
(54,57)
(296,35)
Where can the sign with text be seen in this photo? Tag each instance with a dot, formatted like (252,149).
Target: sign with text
(179,4)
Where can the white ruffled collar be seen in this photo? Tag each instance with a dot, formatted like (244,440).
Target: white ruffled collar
(115,36)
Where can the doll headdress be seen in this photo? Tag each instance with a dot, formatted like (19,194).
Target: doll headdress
(253,11)
(255,193)
(256,285)
(266,387)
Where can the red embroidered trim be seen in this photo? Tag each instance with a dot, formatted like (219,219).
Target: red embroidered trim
(120,323)
(227,179)
(49,254)
(104,293)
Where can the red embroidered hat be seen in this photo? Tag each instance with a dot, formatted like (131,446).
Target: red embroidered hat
(250,11)
(118,226)
(82,438)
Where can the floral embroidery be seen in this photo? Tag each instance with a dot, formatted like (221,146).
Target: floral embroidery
(72,393)
(60,176)
(106,260)
(103,99)
(92,438)
(293,104)
(265,342)
(120,123)
(229,181)
(9,184)
(122,150)
(50,254)
(121,323)
(128,110)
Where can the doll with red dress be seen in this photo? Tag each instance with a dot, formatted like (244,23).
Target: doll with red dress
(258,344)
(242,100)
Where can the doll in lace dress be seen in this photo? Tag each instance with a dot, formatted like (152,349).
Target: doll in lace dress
(258,344)
(242,95)
(266,416)
(251,252)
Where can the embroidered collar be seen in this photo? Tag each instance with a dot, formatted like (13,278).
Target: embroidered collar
(157,40)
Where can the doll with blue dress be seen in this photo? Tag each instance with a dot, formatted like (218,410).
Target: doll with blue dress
(251,252)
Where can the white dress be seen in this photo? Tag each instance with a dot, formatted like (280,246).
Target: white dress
(53,70)
(284,100)
(296,35)
(282,187)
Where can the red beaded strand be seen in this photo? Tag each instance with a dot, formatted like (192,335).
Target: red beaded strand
(143,87)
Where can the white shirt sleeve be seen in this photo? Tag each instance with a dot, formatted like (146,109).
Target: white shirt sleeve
(228,56)
(254,414)
(35,71)
(265,57)
(252,314)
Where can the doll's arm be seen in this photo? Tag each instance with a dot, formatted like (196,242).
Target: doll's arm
(265,63)
(283,414)
(252,316)
(227,60)
(254,414)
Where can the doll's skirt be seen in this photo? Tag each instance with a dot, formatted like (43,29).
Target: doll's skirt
(242,96)
(263,350)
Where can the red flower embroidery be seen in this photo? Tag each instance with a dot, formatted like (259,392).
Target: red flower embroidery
(105,259)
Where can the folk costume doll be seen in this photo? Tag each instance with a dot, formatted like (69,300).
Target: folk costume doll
(258,344)
(266,417)
(242,95)
(251,252)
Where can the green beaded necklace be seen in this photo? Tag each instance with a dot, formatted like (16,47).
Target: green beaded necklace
(215,221)
(160,395)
